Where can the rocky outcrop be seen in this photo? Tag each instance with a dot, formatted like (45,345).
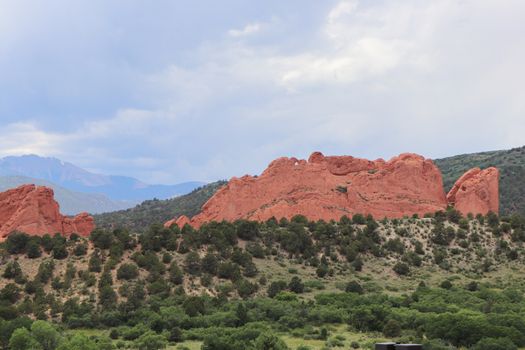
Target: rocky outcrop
(330,187)
(33,210)
(180,222)
(476,192)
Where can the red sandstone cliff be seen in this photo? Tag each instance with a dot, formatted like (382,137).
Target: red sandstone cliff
(33,210)
(330,187)
(476,192)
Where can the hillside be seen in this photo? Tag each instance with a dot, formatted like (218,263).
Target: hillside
(511,164)
(158,211)
(71,202)
(297,284)
(74,178)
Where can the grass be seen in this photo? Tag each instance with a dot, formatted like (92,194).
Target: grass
(192,345)
(341,332)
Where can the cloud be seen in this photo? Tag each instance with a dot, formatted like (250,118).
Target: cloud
(249,29)
(26,138)
(370,79)
(343,8)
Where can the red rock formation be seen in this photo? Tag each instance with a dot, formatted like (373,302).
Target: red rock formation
(329,187)
(180,221)
(476,192)
(33,210)
(170,223)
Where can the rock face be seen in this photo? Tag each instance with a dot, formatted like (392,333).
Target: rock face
(180,221)
(33,210)
(330,187)
(476,192)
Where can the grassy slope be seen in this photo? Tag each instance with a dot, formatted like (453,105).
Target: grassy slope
(158,211)
(512,167)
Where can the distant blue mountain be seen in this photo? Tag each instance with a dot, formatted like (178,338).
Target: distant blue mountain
(69,176)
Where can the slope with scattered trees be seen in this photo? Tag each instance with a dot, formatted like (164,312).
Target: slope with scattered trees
(445,280)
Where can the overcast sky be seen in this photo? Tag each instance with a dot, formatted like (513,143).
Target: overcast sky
(169,91)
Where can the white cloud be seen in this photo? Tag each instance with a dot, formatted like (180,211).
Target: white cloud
(249,29)
(26,138)
(343,8)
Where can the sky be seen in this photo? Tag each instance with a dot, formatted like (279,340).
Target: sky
(170,91)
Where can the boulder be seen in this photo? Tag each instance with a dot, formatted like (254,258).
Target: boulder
(476,192)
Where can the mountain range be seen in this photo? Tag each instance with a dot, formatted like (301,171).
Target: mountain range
(79,190)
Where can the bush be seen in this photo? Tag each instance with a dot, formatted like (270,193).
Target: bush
(59,251)
(33,249)
(247,230)
(358,219)
(45,271)
(21,339)
(10,293)
(101,239)
(276,287)
(80,249)
(192,263)
(268,341)
(296,285)
(392,329)
(472,286)
(12,270)
(322,270)
(353,287)
(127,272)
(175,273)
(151,341)
(401,269)
(245,288)
(357,264)
(446,284)
(45,334)
(229,270)
(495,344)
(95,263)
(16,242)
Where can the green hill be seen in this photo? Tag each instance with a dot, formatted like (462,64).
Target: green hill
(158,211)
(511,164)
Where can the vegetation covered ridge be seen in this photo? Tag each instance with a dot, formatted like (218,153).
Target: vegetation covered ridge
(153,211)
